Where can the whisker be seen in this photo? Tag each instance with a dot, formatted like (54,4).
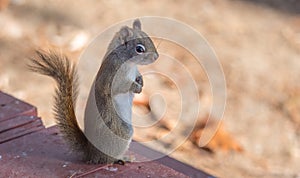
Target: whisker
(159,43)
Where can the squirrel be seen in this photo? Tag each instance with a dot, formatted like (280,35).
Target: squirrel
(114,86)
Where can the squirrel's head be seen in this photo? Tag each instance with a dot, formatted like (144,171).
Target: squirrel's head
(133,45)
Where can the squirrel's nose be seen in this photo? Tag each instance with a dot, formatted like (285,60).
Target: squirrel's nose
(155,56)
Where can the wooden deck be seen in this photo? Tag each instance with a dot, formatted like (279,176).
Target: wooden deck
(28,149)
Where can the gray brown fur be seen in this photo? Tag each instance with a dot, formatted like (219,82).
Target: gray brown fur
(120,59)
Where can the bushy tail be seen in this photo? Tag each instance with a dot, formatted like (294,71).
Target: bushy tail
(59,68)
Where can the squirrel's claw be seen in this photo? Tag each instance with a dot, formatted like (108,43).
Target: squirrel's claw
(120,162)
(137,85)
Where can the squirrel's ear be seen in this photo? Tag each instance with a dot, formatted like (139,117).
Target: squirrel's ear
(125,33)
(137,25)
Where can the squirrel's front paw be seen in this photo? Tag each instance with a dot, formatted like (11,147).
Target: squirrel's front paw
(137,85)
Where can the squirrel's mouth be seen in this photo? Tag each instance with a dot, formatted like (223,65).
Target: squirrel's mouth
(145,58)
(149,58)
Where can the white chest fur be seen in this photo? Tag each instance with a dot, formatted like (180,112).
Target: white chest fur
(123,101)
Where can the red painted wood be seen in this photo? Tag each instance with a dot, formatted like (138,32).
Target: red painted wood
(35,124)
(16,122)
(45,154)
(17,118)
(11,107)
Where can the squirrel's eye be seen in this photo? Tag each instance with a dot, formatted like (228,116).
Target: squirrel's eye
(140,48)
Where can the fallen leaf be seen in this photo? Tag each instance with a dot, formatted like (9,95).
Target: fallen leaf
(221,141)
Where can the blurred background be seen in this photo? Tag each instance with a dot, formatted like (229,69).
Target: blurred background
(256,41)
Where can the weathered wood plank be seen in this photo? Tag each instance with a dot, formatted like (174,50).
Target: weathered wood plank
(11,107)
(45,154)
(24,125)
